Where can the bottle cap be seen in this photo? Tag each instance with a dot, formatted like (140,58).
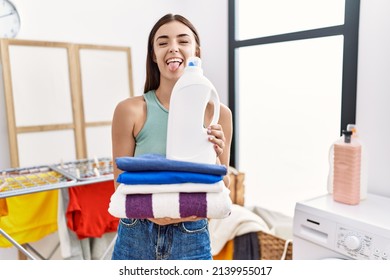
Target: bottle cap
(353,128)
(347,136)
(194,61)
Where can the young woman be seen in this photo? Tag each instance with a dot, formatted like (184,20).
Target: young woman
(140,126)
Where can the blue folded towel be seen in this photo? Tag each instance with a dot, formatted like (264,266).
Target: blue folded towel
(156,162)
(166,177)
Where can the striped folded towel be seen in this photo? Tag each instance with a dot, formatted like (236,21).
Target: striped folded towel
(172,188)
(170,205)
(155,162)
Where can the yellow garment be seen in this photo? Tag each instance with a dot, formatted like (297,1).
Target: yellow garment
(30,217)
(3,207)
(227,252)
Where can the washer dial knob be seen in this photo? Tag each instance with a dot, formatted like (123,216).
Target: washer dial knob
(353,243)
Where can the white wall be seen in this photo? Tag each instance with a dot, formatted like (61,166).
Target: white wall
(373,92)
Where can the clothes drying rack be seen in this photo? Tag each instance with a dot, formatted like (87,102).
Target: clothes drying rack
(22,181)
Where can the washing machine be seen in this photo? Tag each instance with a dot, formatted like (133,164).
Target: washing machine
(326,229)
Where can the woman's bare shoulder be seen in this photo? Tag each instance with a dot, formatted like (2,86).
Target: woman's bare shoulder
(132,101)
(130,105)
(225,111)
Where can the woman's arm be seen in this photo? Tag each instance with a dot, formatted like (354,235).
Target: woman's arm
(221,137)
(125,121)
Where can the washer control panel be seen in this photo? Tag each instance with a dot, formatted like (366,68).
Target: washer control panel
(362,246)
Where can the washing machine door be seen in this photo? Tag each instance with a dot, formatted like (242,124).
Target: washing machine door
(306,250)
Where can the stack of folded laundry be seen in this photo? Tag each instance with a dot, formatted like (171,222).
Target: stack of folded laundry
(152,186)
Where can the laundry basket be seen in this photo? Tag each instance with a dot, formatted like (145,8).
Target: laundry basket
(273,247)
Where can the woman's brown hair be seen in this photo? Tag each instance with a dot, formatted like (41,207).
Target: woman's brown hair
(152,81)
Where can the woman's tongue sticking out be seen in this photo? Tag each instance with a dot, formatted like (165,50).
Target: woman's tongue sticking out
(173,66)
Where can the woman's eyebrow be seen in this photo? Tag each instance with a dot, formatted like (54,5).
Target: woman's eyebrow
(183,35)
(162,37)
(166,36)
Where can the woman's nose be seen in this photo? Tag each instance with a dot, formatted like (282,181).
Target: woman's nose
(174,48)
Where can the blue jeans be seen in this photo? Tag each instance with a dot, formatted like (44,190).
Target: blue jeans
(141,239)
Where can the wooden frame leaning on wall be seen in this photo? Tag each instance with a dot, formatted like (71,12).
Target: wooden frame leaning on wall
(73,83)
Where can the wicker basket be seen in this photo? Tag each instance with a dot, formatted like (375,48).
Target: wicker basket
(273,247)
(237,186)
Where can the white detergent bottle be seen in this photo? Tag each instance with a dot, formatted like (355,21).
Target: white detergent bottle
(187,138)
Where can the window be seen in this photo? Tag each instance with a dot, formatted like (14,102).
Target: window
(293,68)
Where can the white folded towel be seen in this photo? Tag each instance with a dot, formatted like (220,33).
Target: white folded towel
(172,188)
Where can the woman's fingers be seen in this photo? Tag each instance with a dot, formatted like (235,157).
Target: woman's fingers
(168,221)
(217,137)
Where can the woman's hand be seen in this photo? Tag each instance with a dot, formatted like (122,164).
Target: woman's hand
(168,221)
(217,137)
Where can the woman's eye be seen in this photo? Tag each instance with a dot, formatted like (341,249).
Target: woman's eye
(184,42)
(162,44)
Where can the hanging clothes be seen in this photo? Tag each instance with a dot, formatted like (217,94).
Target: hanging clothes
(87,213)
(73,248)
(30,217)
(3,207)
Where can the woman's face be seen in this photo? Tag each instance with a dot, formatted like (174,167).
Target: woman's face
(173,44)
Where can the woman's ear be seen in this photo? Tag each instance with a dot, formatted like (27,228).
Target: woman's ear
(154,58)
(197,52)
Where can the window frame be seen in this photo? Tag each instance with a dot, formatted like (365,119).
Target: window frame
(350,31)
